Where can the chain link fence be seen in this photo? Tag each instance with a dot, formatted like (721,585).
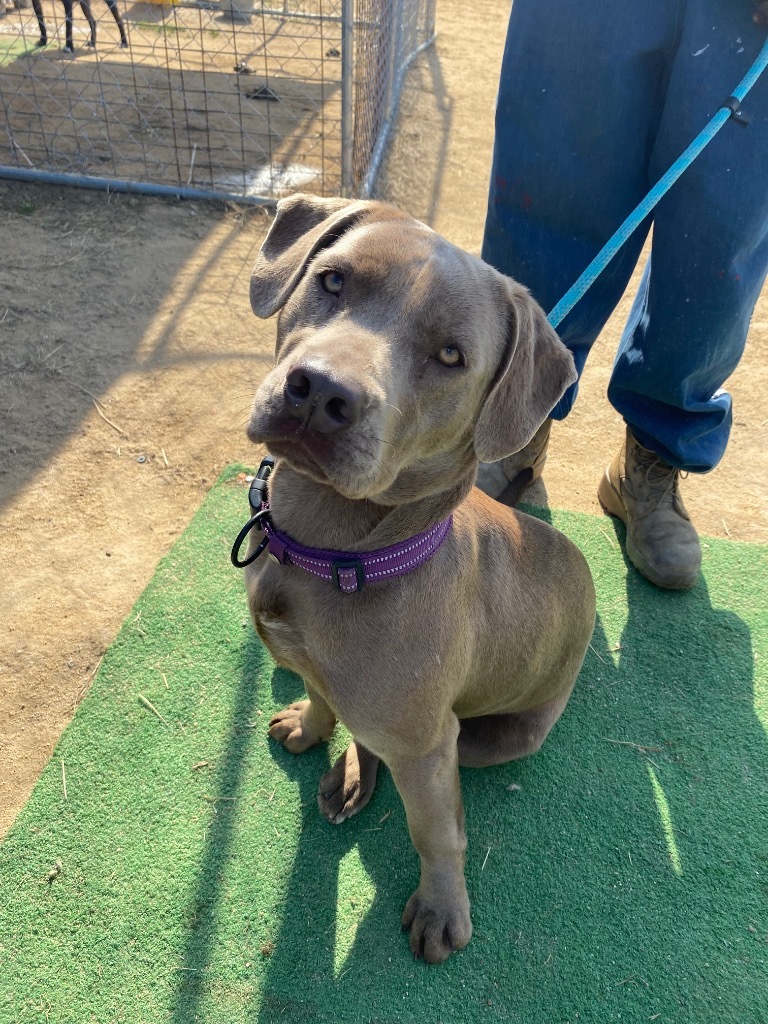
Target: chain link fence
(231,98)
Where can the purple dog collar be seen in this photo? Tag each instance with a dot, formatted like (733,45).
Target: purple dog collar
(349,570)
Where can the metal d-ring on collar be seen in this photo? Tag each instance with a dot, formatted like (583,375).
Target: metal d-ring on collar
(257,498)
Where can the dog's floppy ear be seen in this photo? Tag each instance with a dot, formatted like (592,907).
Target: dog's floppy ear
(534,373)
(303,226)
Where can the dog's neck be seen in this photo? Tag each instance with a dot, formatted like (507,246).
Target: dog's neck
(317,516)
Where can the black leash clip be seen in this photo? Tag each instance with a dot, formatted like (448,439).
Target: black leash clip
(257,496)
(737,114)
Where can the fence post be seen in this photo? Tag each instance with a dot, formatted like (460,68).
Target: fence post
(429,27)
(347,89)
(396,58)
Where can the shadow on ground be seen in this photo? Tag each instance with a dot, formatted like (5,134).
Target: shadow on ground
(76,312)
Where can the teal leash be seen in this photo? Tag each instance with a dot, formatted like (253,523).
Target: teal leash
(729,109)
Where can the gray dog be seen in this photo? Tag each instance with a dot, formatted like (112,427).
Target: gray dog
(441,628)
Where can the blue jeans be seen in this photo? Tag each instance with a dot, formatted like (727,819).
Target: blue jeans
(596,100)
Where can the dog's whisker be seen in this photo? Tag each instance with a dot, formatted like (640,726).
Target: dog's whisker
(373,456)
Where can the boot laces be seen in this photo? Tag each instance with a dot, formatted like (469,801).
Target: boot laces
(659,476)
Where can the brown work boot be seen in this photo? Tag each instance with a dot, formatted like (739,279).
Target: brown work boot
(643,491)
(509,477)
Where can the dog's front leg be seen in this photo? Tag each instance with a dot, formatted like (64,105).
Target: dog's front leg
(349,785)
(304,724)
(438,911)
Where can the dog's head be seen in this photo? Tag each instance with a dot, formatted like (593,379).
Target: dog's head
(401,359)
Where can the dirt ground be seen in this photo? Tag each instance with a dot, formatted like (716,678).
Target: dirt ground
(128,357)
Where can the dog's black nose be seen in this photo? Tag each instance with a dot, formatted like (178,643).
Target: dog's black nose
(319,402)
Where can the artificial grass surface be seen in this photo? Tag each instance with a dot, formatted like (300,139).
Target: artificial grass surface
(625,880)
(13,48)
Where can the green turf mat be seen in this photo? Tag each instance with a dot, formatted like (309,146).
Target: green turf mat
(626,879)
(13,48)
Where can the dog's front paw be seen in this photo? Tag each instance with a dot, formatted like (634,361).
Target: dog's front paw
(300,727)
(437,929)
(348,786)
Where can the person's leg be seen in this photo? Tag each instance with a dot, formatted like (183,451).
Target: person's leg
(688,326)
(689,322)
(578,107)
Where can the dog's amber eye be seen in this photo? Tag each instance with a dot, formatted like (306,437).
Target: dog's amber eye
(332,282)
(450,356)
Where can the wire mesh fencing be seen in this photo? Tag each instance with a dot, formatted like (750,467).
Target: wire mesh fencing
(227,97)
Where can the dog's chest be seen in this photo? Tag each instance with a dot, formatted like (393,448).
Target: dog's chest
(275,619)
